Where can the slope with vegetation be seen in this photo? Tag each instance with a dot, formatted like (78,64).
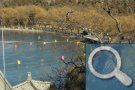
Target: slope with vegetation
(72,15)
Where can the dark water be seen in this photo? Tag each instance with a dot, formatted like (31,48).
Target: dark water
(35,56)
(106,63)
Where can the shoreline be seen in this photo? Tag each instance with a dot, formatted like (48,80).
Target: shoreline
(23,30)
(37,31)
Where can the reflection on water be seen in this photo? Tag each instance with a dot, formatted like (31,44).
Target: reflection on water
(37,55)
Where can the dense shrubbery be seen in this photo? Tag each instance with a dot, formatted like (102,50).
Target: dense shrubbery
(23,15)
(88,17)
(73,15)
(119,6)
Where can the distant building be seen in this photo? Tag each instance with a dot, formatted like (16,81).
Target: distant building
(29,84)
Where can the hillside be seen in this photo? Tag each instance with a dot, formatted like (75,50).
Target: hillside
(114,17)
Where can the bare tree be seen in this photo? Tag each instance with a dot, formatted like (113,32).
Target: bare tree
(72,75)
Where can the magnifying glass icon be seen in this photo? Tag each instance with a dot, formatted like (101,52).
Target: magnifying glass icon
(121,76)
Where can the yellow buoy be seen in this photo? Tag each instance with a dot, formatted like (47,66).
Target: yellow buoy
(18,62)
